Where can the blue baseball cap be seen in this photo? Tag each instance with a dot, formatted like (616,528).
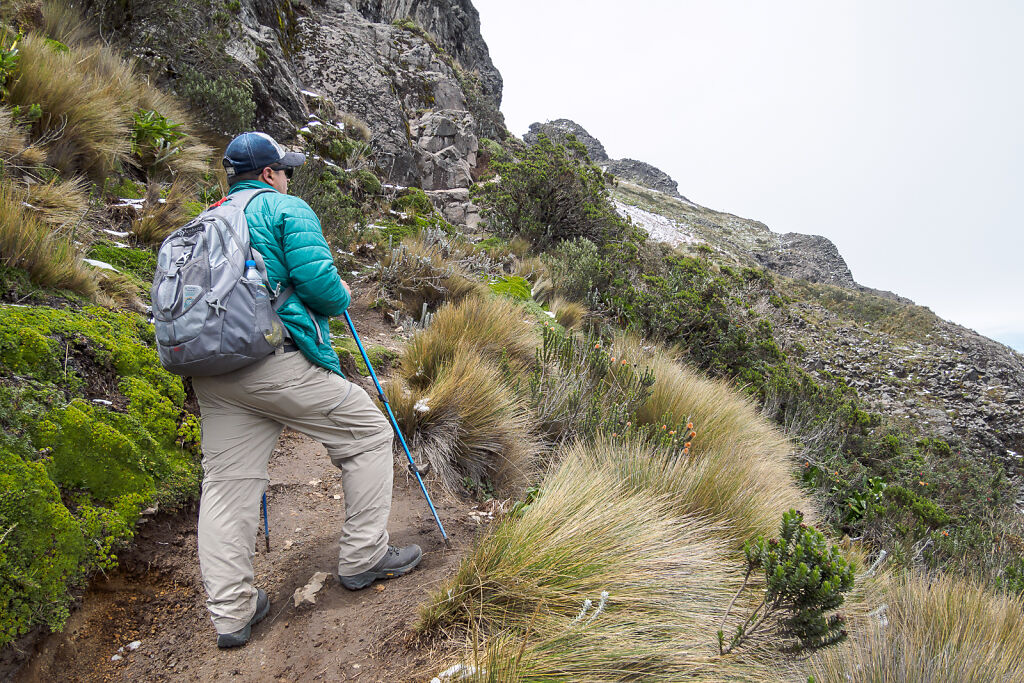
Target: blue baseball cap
(254,151)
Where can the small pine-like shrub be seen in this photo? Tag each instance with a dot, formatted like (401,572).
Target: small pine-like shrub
(805,578)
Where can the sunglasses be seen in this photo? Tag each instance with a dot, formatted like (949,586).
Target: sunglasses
(288,170)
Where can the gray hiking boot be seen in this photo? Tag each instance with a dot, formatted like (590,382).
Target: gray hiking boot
(396,561)
(241,636)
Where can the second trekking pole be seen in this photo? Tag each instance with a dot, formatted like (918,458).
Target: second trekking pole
(394,424)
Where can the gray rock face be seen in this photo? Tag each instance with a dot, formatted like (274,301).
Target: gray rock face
(642,173)
(171,40)
(408,94)
(446,148)
(807,257)
(455,25)
(456,207)
(558,129)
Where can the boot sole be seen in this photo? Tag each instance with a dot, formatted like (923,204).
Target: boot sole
(361,581)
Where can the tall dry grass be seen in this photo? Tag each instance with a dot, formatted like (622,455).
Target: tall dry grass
(518,596)
(30,243)
(162,215)
(60,203)
(937,629)
(490,326)
(741,492)
(569,314)
(468,423)
(88,95)
(15,149)
(82,109)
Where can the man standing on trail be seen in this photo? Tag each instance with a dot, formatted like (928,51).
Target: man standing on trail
(300,386)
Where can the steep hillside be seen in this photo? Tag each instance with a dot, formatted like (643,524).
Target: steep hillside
(672,443)
(904,360)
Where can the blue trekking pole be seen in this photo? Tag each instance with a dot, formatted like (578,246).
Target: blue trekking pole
(394,424)
(266,522)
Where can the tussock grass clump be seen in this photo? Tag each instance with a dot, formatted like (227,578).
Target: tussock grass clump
(490,326)
(59,203)
(736,489)
(936,629)
(81,109)
(15,148)
(681,395)
(29,243)
(569,314)
(162,215)
(468,423)
(418,274)
(531,268)
(654,583)
(87,97)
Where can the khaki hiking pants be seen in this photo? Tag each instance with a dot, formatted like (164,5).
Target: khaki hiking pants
(243,413)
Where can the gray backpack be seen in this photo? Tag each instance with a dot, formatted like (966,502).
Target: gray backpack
(209,318)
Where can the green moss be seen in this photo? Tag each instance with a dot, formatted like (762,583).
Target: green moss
(140,263)
(80,469)
(116,460)
(115,340)
(380,357)
(513,286)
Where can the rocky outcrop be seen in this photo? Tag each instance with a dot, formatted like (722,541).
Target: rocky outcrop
(446,148)
(806,257)
(455,26)
(639,172)
(396,79)
(951,382)
(559,129)
(642,173)
(456,207)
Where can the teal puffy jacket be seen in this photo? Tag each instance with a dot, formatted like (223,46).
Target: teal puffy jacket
(286,232)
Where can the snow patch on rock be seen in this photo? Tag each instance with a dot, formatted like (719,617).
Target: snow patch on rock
(658,227)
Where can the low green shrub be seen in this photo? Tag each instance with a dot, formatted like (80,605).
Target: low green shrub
(804,578)
(413,201)
(552,194)
(224,102)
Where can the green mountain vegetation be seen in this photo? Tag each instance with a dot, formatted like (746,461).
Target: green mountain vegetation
(685,500)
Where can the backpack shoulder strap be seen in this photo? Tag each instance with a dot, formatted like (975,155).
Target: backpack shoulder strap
(245,196)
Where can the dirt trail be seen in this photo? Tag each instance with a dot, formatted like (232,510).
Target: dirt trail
(156,597)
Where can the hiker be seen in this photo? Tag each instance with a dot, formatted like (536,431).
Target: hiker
(299,386)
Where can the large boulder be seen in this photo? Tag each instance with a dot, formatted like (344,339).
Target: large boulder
(445,147)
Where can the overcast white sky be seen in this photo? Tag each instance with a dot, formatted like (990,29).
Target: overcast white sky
(896,128)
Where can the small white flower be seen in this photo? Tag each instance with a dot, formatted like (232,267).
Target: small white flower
(421,406)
